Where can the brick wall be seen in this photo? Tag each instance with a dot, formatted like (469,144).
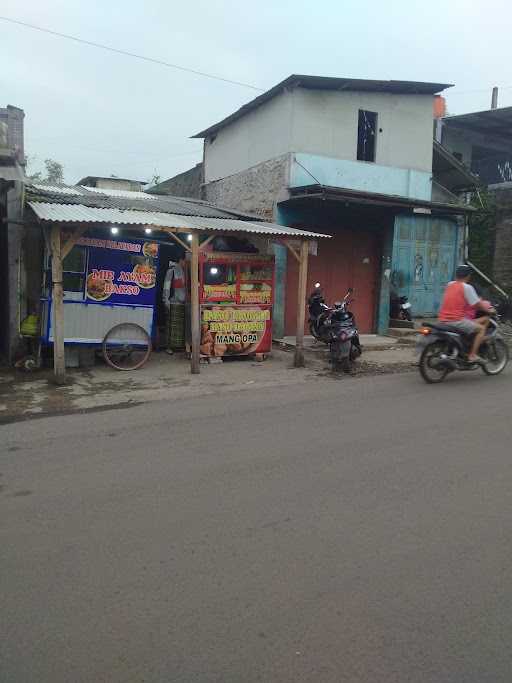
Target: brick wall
(187,184)
(255,190)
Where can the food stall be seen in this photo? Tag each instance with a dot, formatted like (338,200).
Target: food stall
(105,282)
(236,295)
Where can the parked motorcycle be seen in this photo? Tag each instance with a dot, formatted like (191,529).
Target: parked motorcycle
(335,326)
(400,308)
(319,313)
(444,351)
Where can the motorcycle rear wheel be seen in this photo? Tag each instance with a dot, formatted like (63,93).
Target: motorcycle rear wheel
(493,366)
(339,357)
(428,370)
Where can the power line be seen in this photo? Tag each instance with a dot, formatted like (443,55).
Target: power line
(129,54)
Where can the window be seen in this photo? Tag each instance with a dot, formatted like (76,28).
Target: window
(73,276)
(366,135)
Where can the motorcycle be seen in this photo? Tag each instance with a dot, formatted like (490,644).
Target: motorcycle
(336,327)
(400,308)
(443,351)
(319,314)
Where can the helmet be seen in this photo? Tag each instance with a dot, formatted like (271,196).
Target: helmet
(463,271)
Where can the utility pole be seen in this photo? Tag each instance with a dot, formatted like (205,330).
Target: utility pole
(494,99)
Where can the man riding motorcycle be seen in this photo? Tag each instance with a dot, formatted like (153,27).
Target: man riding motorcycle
(458,297)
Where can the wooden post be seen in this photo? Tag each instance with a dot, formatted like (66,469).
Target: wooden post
(301,304)
(195,310)
(59,364)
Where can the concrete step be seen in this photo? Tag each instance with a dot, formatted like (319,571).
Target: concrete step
(401,323)
(369,342)
(404,335)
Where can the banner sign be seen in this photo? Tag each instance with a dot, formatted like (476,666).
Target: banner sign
(235,331)
(121,272)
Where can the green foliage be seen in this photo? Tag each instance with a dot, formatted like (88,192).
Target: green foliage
(54,171)
(482,230)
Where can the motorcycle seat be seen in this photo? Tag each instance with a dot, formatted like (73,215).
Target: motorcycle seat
(440,327)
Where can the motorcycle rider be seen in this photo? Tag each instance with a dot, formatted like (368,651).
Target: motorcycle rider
(458,296)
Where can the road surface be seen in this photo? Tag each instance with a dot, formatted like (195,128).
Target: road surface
(355,530)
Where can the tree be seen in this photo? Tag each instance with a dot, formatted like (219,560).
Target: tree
(482,231)
(54,171)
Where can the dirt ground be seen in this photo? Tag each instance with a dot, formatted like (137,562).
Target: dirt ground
(164,377)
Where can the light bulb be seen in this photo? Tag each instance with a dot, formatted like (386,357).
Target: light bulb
(148,231)
(214,270)
(114,231)
(189,237)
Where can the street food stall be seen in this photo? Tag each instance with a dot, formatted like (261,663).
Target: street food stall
(105,281)
(236,297)
(231,295)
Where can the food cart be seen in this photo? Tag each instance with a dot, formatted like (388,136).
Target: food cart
(107,283)
(236,297)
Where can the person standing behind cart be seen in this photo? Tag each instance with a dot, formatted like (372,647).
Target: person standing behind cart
(174,296)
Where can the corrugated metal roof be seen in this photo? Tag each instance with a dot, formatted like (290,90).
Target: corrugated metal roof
(126,194)
(59,194)
(489,121)
(330,83)
(72,213)
(57,189)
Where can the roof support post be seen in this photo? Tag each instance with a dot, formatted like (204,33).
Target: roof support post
(301,304)
(195,308)
(59,364)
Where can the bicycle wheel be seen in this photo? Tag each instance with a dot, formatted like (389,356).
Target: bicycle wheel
(126,346)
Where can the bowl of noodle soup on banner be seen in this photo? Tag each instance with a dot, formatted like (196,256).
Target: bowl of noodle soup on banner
(96,288)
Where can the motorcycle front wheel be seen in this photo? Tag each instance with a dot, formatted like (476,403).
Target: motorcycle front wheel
(431,368)
(495,355)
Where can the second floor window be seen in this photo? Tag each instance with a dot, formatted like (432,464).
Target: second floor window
(366,135)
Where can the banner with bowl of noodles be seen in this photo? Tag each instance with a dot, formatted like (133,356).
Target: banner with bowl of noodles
(122,272)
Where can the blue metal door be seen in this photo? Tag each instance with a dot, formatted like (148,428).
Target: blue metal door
(424,251)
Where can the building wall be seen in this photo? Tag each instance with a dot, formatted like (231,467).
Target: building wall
(462,142)
(13,117)
(264,133)
(324,123)
(187,184)
(307,169)
(15,269)
(254,190)
(457,142)
(117,184)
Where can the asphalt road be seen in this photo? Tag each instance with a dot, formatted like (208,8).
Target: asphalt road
(359,531)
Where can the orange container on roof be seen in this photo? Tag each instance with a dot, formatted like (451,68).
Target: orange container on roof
(439,107)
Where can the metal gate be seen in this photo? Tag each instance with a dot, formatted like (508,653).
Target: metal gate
(424,260)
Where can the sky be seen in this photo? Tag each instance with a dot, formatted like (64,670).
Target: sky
(100,113)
